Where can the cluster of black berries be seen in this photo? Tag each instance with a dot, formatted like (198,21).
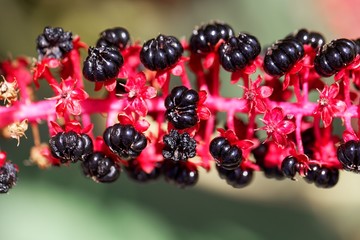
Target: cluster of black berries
(72,147)
(54,43)
(323,177)
(8,177)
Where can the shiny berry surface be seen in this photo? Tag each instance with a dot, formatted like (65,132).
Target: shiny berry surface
(349,155)
(178,146)
(101,168)
(313,39)
(125,141)
(102,63)
(237,178)
(282,56)
(182,174)
(70,146)
(226,156)
(181,105)
(335,56)
(289,166)
(117,37)
(54,43)
(238,52)
(8,177)
(204,38)
(161,53)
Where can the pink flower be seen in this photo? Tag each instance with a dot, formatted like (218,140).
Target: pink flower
(328,105)
(138,93)
(276,127)
(69,97)
(256,96)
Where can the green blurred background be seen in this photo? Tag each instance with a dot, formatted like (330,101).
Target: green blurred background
(60,203)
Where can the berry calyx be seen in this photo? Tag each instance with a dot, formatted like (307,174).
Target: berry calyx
(178,146)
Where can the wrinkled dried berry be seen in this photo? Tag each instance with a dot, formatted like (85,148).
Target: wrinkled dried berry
(181,106)
(125,141)
(102,63)
(101,168)
(204,38)
(161,53)
(8,177)
(70,146)
(238,52)
(178,146)
(335,56)
(54,43)
(117,37)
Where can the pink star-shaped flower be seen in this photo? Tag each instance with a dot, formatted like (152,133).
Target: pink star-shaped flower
(328,104)
(69,97)
(276,127)
(138,93)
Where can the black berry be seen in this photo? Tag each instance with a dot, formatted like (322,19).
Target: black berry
(335,56)
(54,43)
(117,37)
(101,168)
(289,166)
(136,173)
(178,146)
(282,56)
(313,39)
(125,141)
(323,177)
(70,146)
(349,155)
(237,178)
(226,156)
(181,106)
(204,38)
(8,177)
(238,52)
(183,174)
(102,63)
(161,52)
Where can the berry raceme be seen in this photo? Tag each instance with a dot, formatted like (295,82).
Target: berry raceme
(168,131)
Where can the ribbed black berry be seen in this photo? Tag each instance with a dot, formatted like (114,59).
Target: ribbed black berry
(335,56)
(237,178)
(349,155)
(269,172)
(226,156)
(183,174)
(204,38)
(125,141)
(70,146)
(117,37)
(238,52)
(178,146)
(181,106)
(54,43)
(282,56)
(323,177)
(8,177)
(161,52)
(136,173)
(289,166)
(102,63)
(313,39)
(101,168)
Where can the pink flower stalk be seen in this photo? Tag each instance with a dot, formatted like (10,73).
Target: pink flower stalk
(167,132)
